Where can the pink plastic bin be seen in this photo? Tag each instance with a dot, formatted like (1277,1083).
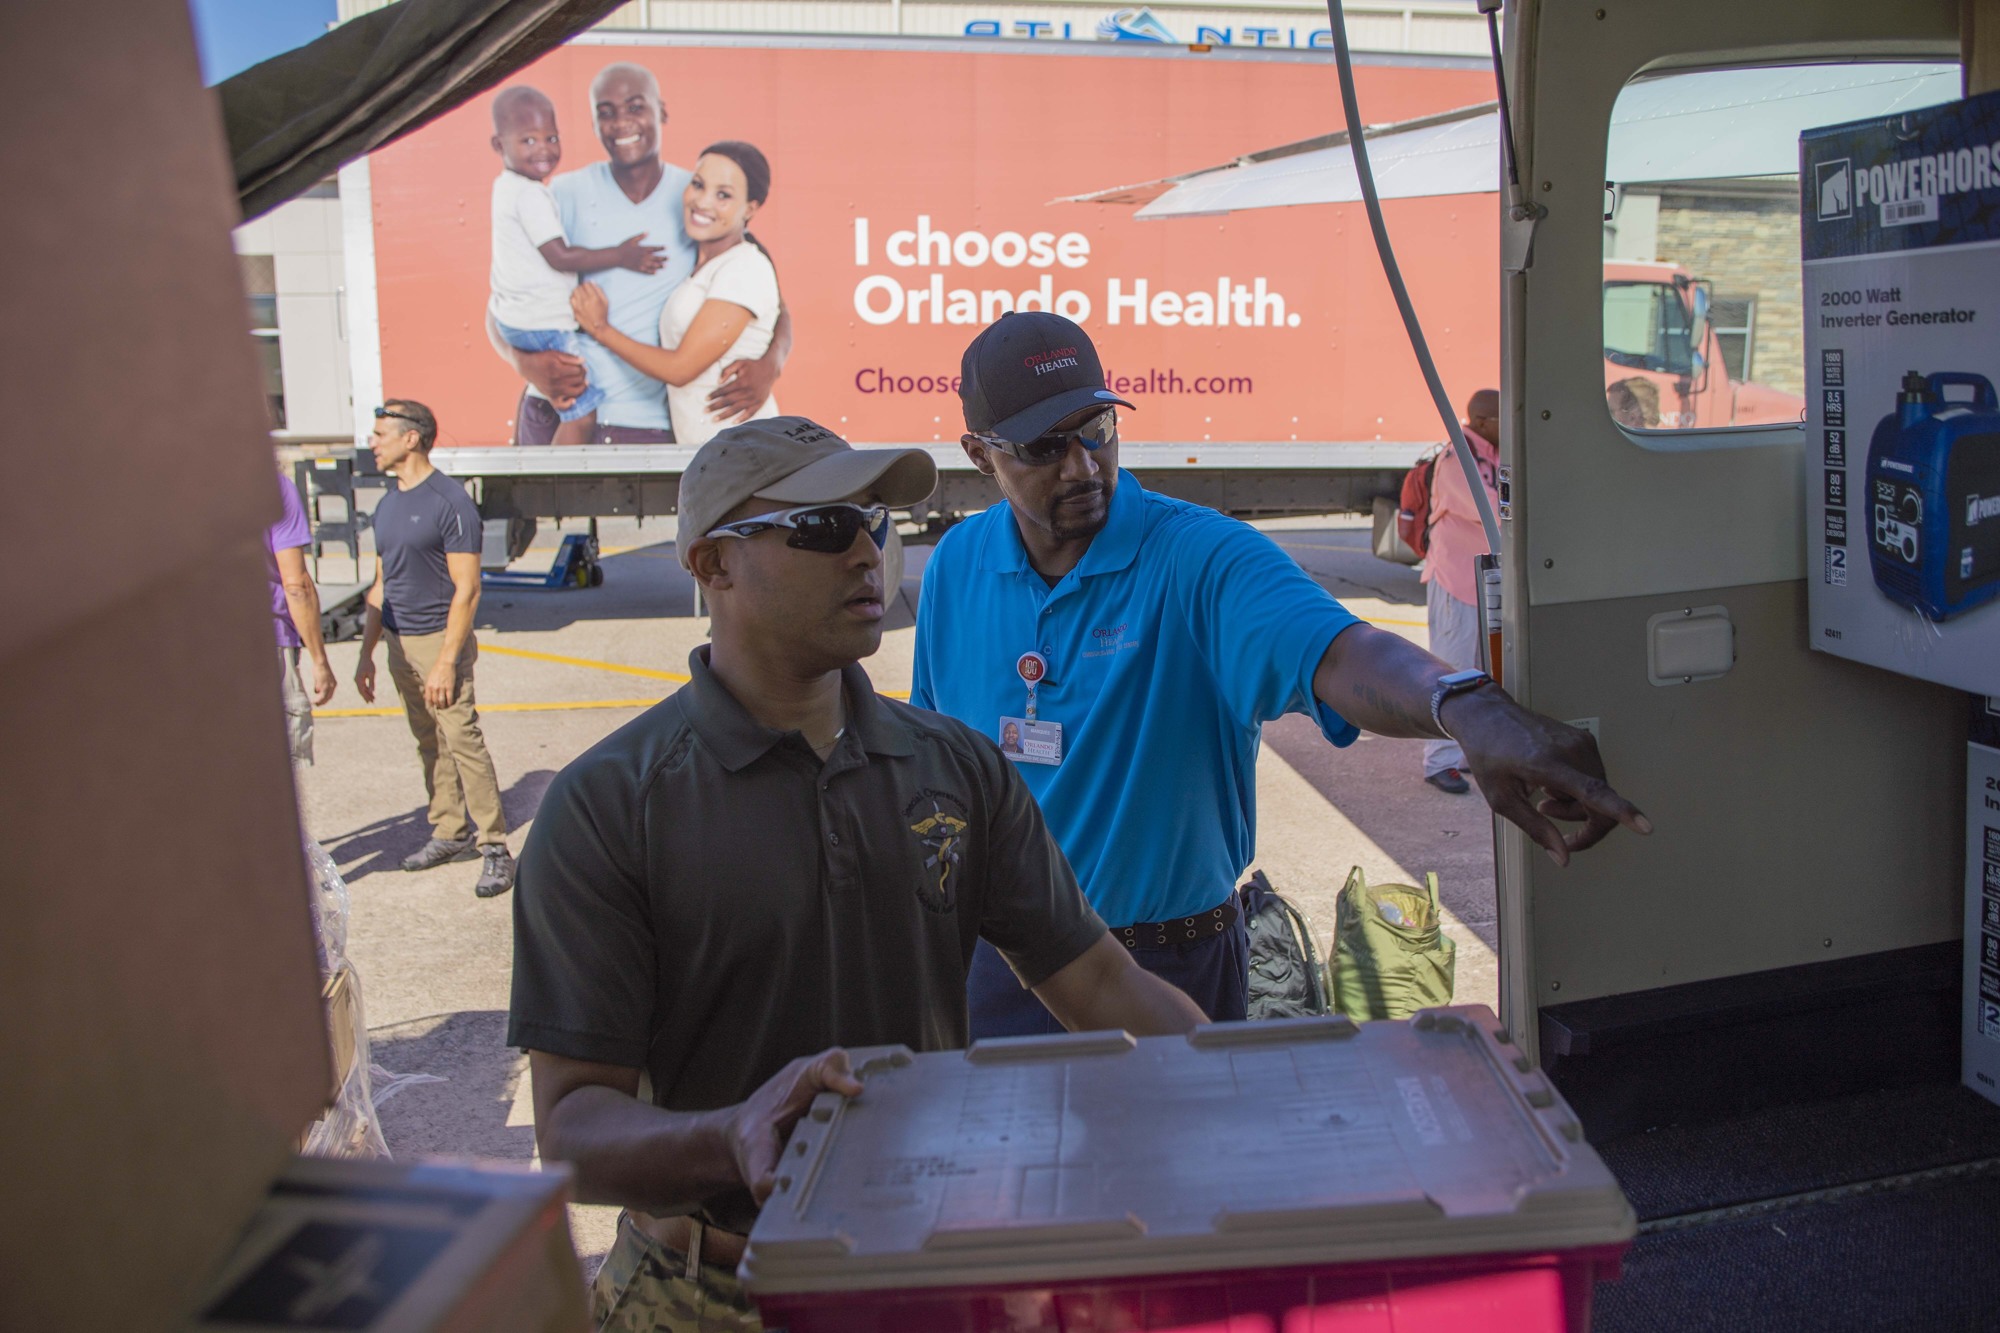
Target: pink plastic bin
(1472,1294)
(1304,1176)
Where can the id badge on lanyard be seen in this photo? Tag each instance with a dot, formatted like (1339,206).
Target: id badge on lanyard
(1027,739)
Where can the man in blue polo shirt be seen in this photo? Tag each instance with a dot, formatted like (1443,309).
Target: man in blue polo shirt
(1135,645)
(604,204)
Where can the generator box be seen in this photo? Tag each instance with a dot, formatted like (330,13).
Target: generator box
(392,1247)
(1901,238)
(1298,1172)
(1981,1026)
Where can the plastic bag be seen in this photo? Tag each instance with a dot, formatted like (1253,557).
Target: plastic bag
(1285,977)
(331,905)
(350,1127)
(1390,957)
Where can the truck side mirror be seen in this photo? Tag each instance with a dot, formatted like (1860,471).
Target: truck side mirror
(1699,331)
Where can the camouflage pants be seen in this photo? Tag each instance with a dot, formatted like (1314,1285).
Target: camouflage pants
(644,1287)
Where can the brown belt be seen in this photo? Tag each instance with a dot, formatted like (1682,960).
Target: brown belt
(1183,930)
(723,1249)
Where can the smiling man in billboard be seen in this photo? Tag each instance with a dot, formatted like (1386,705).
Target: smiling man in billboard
(603,205)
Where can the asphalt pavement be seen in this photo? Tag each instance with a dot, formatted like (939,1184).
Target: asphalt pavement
(560,669)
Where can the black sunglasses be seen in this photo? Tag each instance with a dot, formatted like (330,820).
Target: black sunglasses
(829,529)
(381,412)
(1093,434)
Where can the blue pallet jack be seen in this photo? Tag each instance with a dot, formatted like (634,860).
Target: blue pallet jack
(576,566)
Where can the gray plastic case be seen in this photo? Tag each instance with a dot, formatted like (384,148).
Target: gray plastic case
(1297,1142)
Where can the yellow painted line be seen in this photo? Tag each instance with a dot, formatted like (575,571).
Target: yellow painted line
(648,672)
(596,665)
(1413,624)
(498,708)
(560,706)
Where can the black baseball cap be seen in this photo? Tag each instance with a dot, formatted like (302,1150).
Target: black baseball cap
(1025,372)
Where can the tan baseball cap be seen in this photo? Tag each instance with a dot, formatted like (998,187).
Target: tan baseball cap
(792,461)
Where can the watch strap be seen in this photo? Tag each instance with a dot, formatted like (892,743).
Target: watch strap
(1456,683)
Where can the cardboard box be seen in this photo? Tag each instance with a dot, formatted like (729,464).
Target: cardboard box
(165,1041)
(1902,294)
(342,997)
(1981,1028)
(153,451)
(377,1247)
(157,955)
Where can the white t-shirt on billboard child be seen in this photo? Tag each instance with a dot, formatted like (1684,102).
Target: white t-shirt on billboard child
(528,292)
(741,275)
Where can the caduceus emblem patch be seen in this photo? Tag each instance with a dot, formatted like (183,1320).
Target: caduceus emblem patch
(938,820)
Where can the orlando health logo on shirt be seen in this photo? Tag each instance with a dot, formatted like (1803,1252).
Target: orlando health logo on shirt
(1105,640)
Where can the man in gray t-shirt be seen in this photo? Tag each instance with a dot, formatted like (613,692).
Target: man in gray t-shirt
(425,596)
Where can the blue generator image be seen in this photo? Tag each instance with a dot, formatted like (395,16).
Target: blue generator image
(1934,496)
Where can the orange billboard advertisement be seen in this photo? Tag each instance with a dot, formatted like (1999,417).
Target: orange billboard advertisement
(898,198)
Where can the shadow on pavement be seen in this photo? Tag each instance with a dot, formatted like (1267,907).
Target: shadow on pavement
(383,844)
(1344,563)
(646,583)
(467,1113)
(1378,785)
(635,588)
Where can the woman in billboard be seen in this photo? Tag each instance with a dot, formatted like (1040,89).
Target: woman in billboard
(726,311)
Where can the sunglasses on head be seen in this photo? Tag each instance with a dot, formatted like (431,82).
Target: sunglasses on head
(1093,434)
(829,528)
(381,412)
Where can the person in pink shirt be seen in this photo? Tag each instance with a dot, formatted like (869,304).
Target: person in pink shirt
(1457,540)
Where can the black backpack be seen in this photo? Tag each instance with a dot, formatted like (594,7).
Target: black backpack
(1285,976)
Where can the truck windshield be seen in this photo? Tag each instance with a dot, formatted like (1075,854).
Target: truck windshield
(1646,328)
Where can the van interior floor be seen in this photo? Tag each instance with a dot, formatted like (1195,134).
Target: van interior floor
(1879,1210)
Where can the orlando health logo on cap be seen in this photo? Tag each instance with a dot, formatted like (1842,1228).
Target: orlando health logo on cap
(1028,370)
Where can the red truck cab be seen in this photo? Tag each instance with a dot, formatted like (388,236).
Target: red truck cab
(1663,368)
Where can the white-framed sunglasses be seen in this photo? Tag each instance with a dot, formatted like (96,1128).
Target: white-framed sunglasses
(827,528)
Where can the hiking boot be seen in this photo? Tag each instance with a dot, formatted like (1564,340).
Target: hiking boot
(439,852)
(1450,780)
(497,875)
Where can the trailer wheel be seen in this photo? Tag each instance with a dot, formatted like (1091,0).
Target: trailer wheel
(597,576)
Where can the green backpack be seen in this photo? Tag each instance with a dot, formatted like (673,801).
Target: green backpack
(1390,959)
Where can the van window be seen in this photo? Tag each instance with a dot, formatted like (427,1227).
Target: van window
(1702,197)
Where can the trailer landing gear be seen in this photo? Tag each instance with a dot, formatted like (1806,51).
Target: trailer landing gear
(576,566)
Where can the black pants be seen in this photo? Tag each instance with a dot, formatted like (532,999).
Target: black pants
(535,422)
(1214,972)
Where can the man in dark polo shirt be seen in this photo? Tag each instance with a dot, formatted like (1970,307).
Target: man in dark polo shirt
(774,863)
(425,596)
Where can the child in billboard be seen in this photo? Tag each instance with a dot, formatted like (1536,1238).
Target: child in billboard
(534,265)
(728,308)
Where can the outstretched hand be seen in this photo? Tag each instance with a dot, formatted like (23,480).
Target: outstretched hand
(757,1130)
(1514,754)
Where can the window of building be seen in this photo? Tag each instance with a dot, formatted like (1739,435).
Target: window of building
(1735,319)
(260,286)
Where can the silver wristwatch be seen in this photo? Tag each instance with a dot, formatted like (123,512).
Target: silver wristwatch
(1456,683)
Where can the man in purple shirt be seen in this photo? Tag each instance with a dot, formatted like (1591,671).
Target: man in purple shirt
(295,616)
